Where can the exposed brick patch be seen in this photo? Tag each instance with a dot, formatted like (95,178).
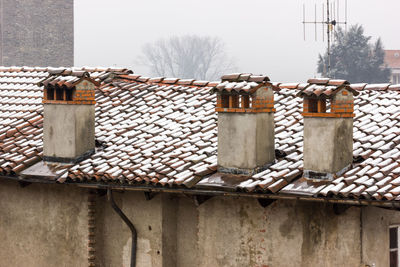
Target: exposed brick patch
(328,115)
(77,102)
(91,228)
(263,102)
(342,106)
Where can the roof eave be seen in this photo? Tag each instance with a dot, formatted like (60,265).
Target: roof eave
(146,188)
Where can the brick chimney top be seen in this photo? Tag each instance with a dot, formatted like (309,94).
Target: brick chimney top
(318,91)
(72,87)
(240,93)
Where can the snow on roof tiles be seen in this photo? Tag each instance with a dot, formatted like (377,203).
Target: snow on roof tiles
(159,133)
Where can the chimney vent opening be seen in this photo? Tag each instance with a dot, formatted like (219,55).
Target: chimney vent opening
(245,101)
(223,101)
(233,101)
(314,105)
(69,94)
(321,106)
(49,93)
(59,93)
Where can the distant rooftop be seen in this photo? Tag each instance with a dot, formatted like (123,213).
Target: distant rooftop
(392,58)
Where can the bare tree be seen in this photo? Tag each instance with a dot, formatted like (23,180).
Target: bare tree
(188,56)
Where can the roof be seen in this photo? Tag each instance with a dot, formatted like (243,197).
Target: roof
(392,58)
(162,132)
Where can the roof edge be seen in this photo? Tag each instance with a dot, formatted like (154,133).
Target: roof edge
(354,202)
(167,81)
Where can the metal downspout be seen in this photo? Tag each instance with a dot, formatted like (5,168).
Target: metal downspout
(128,223)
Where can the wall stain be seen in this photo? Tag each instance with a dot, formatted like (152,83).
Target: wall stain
(313,224)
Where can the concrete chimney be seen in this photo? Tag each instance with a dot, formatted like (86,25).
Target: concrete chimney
(69,116)
(245,106)
(328,128)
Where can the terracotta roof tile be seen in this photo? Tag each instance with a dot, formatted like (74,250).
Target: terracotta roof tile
(381,86)
(240,77)
(319,81)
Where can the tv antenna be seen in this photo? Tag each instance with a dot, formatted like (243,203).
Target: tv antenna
(332,19)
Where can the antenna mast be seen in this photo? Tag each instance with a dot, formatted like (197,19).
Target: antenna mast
(331,21)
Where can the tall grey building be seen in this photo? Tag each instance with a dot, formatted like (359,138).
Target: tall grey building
(37,33)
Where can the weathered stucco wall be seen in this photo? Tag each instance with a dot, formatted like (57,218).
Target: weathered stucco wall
(155,221)
(230,232)
(46,225)
(42,225)
(239,232)
(375,235)
(113,237)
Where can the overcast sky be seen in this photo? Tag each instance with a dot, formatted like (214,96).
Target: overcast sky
(263,36)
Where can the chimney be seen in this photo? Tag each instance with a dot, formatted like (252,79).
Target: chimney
(69,115)
(328,127)
(245,106)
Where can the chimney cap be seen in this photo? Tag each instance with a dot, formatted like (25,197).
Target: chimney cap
(68,79)
(236,87)
(239,77)
(327,81)
(324,87)
(240,83)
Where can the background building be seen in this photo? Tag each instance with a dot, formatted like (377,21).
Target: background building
(37,33)
(392,60)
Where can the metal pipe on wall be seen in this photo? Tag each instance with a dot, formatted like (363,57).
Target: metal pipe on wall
(128,223)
